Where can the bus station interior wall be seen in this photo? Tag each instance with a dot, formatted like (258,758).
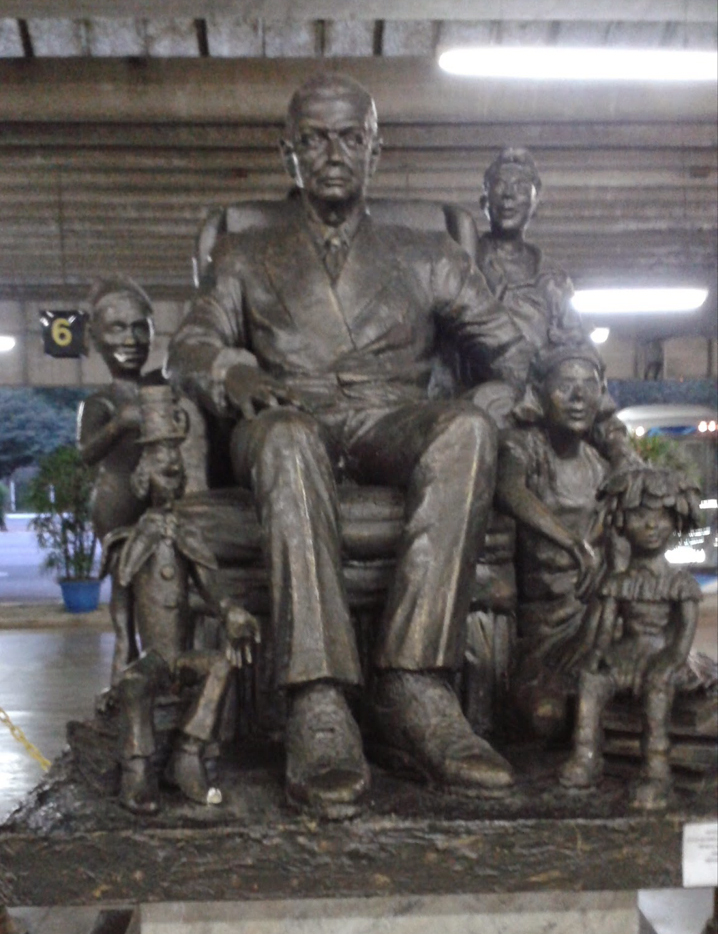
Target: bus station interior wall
(689,357)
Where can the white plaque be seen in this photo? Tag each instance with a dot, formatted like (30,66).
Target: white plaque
(700,854)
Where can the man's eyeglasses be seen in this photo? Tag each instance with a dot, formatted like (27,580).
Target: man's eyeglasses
(349,139)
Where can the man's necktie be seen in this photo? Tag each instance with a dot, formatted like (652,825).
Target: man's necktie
(334,255)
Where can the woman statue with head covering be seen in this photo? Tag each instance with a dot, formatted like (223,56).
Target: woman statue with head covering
(548,475)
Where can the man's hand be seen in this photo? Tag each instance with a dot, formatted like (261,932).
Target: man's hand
(250,390)
(242,632)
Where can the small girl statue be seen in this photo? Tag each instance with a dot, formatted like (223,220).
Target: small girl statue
(648,619)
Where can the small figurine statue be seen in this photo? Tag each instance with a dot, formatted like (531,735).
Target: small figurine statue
(158,557)
(648,619)
(121,327)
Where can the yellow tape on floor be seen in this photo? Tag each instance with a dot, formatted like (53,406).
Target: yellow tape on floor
(18,734)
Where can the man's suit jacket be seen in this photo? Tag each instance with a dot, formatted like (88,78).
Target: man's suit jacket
(367,338)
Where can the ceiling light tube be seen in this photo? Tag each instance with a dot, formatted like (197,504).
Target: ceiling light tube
(556,63)
(637,301)
(6,343)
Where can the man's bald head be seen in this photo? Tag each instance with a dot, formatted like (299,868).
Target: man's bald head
(328,86)
(331,146)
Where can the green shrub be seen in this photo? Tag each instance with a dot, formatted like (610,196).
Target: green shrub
(60,495)
(664,451)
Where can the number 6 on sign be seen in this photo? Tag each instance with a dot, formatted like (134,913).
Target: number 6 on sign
(63,333)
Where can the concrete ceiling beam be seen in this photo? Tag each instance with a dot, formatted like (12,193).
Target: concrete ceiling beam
(297,10)
(407,90)
(116,37)
(160,163)
(57,37)
(10,41)
(126,139)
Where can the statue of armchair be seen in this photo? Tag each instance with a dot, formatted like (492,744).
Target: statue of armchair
(371,516)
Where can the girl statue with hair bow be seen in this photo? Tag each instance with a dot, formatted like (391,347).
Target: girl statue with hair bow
(648,619)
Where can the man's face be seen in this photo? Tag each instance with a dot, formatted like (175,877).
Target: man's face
(512,198)
(123,333)
(333,148)
(571,396)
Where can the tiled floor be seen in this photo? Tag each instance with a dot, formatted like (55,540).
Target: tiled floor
(46,678)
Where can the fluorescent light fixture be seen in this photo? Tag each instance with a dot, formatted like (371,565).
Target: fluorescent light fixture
(600,335)
(637,301)
(6,343)
(556,63)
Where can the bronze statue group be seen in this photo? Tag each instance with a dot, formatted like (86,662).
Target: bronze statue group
(311,350)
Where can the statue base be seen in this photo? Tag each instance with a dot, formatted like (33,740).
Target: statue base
(69,844)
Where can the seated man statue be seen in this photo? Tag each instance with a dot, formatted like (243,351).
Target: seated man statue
(317,337)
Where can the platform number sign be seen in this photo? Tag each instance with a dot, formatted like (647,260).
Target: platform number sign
(63,332)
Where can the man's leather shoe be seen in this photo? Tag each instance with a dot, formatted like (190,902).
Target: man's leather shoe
(326,769)
(422,730)
(138,786)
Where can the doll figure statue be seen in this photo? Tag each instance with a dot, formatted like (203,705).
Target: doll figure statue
(647,623)
(157,559)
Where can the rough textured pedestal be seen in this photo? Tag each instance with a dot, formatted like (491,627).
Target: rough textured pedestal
(68,845)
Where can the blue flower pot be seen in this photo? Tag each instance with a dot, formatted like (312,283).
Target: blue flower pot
(80,596)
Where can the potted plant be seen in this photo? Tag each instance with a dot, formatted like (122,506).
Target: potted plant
(60,496)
